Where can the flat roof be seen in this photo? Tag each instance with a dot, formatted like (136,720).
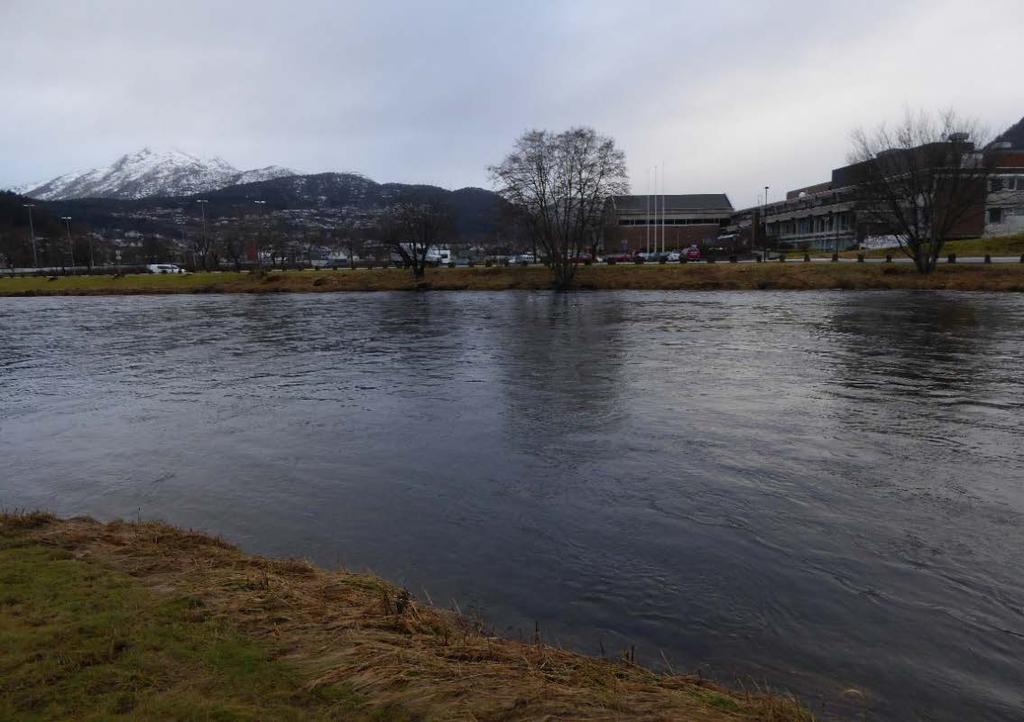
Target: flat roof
(676,203)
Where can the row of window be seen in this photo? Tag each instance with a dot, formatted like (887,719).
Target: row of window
(995,185)
(674,222)
(813,224)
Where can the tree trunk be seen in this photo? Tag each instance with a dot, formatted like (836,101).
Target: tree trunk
(565,275)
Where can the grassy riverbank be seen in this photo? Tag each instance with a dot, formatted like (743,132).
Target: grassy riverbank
(145,621)
(727,276)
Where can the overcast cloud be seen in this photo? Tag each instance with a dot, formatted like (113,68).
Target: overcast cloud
(730,96)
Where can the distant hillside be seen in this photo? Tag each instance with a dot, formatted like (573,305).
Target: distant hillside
(300,202)
(1014,135)
(148,173)
(14,215)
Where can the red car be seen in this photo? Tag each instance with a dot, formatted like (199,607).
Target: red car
(692,253)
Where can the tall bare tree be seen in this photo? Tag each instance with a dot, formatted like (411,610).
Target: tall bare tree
(558,183)
(350,237)
(922,181)
(415,223)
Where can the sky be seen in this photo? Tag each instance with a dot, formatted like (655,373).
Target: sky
(726,96)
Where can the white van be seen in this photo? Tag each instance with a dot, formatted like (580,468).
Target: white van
(164,268)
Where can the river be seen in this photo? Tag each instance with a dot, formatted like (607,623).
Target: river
(817,491)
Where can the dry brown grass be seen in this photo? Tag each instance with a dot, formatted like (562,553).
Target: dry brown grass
(355,630)
(791,275)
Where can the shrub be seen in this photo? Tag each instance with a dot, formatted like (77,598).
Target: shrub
(807,258)
(988,258)
(835,258)
(951,258)
(488,263)
(733,259)
(860,258)
(612,261)
(451,264)
(888,258)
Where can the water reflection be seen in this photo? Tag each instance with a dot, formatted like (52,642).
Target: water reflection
(816,489)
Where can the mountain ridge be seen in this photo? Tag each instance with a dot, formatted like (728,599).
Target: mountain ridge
(149,173)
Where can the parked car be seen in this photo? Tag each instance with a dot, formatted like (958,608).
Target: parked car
(164,268)
(523,258)
(618,258)
(336,263)
(692,253)
(674,256)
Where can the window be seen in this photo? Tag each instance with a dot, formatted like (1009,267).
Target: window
(995,185)
(1011,184)
(995,215)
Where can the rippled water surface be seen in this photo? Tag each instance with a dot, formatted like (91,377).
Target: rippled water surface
(822,491)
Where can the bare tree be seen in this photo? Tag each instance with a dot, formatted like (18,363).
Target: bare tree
(351,238)
(231,242)
(414,224)
(922,181)
(559,184)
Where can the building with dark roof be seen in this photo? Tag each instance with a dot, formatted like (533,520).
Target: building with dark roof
(1004,201)
(669,222)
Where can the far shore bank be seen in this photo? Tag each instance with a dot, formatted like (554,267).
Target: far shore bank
(790,275)
(146,621)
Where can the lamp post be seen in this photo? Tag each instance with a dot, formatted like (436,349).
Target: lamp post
(765,221)
(259,225)
(32,234)
(832,230)
(71,245)
(202,205)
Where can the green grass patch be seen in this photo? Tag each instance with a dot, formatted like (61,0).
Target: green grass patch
(79,641)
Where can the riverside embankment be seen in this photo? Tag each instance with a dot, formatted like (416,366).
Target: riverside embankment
(146,621)
(792,275)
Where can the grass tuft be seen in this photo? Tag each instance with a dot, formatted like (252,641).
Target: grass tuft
(145,621)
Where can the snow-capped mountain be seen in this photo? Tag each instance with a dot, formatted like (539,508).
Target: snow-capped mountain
(150,173)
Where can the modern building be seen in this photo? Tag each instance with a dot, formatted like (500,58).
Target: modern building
(826,216)
(1004,201)
(664,222)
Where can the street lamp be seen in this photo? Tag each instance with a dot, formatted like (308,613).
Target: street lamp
(765,221)
(259,225)
(71,246)
(32,234)
(202,206)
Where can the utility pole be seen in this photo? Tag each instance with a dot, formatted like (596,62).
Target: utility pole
(32,234)
(202,206)
(71,245)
